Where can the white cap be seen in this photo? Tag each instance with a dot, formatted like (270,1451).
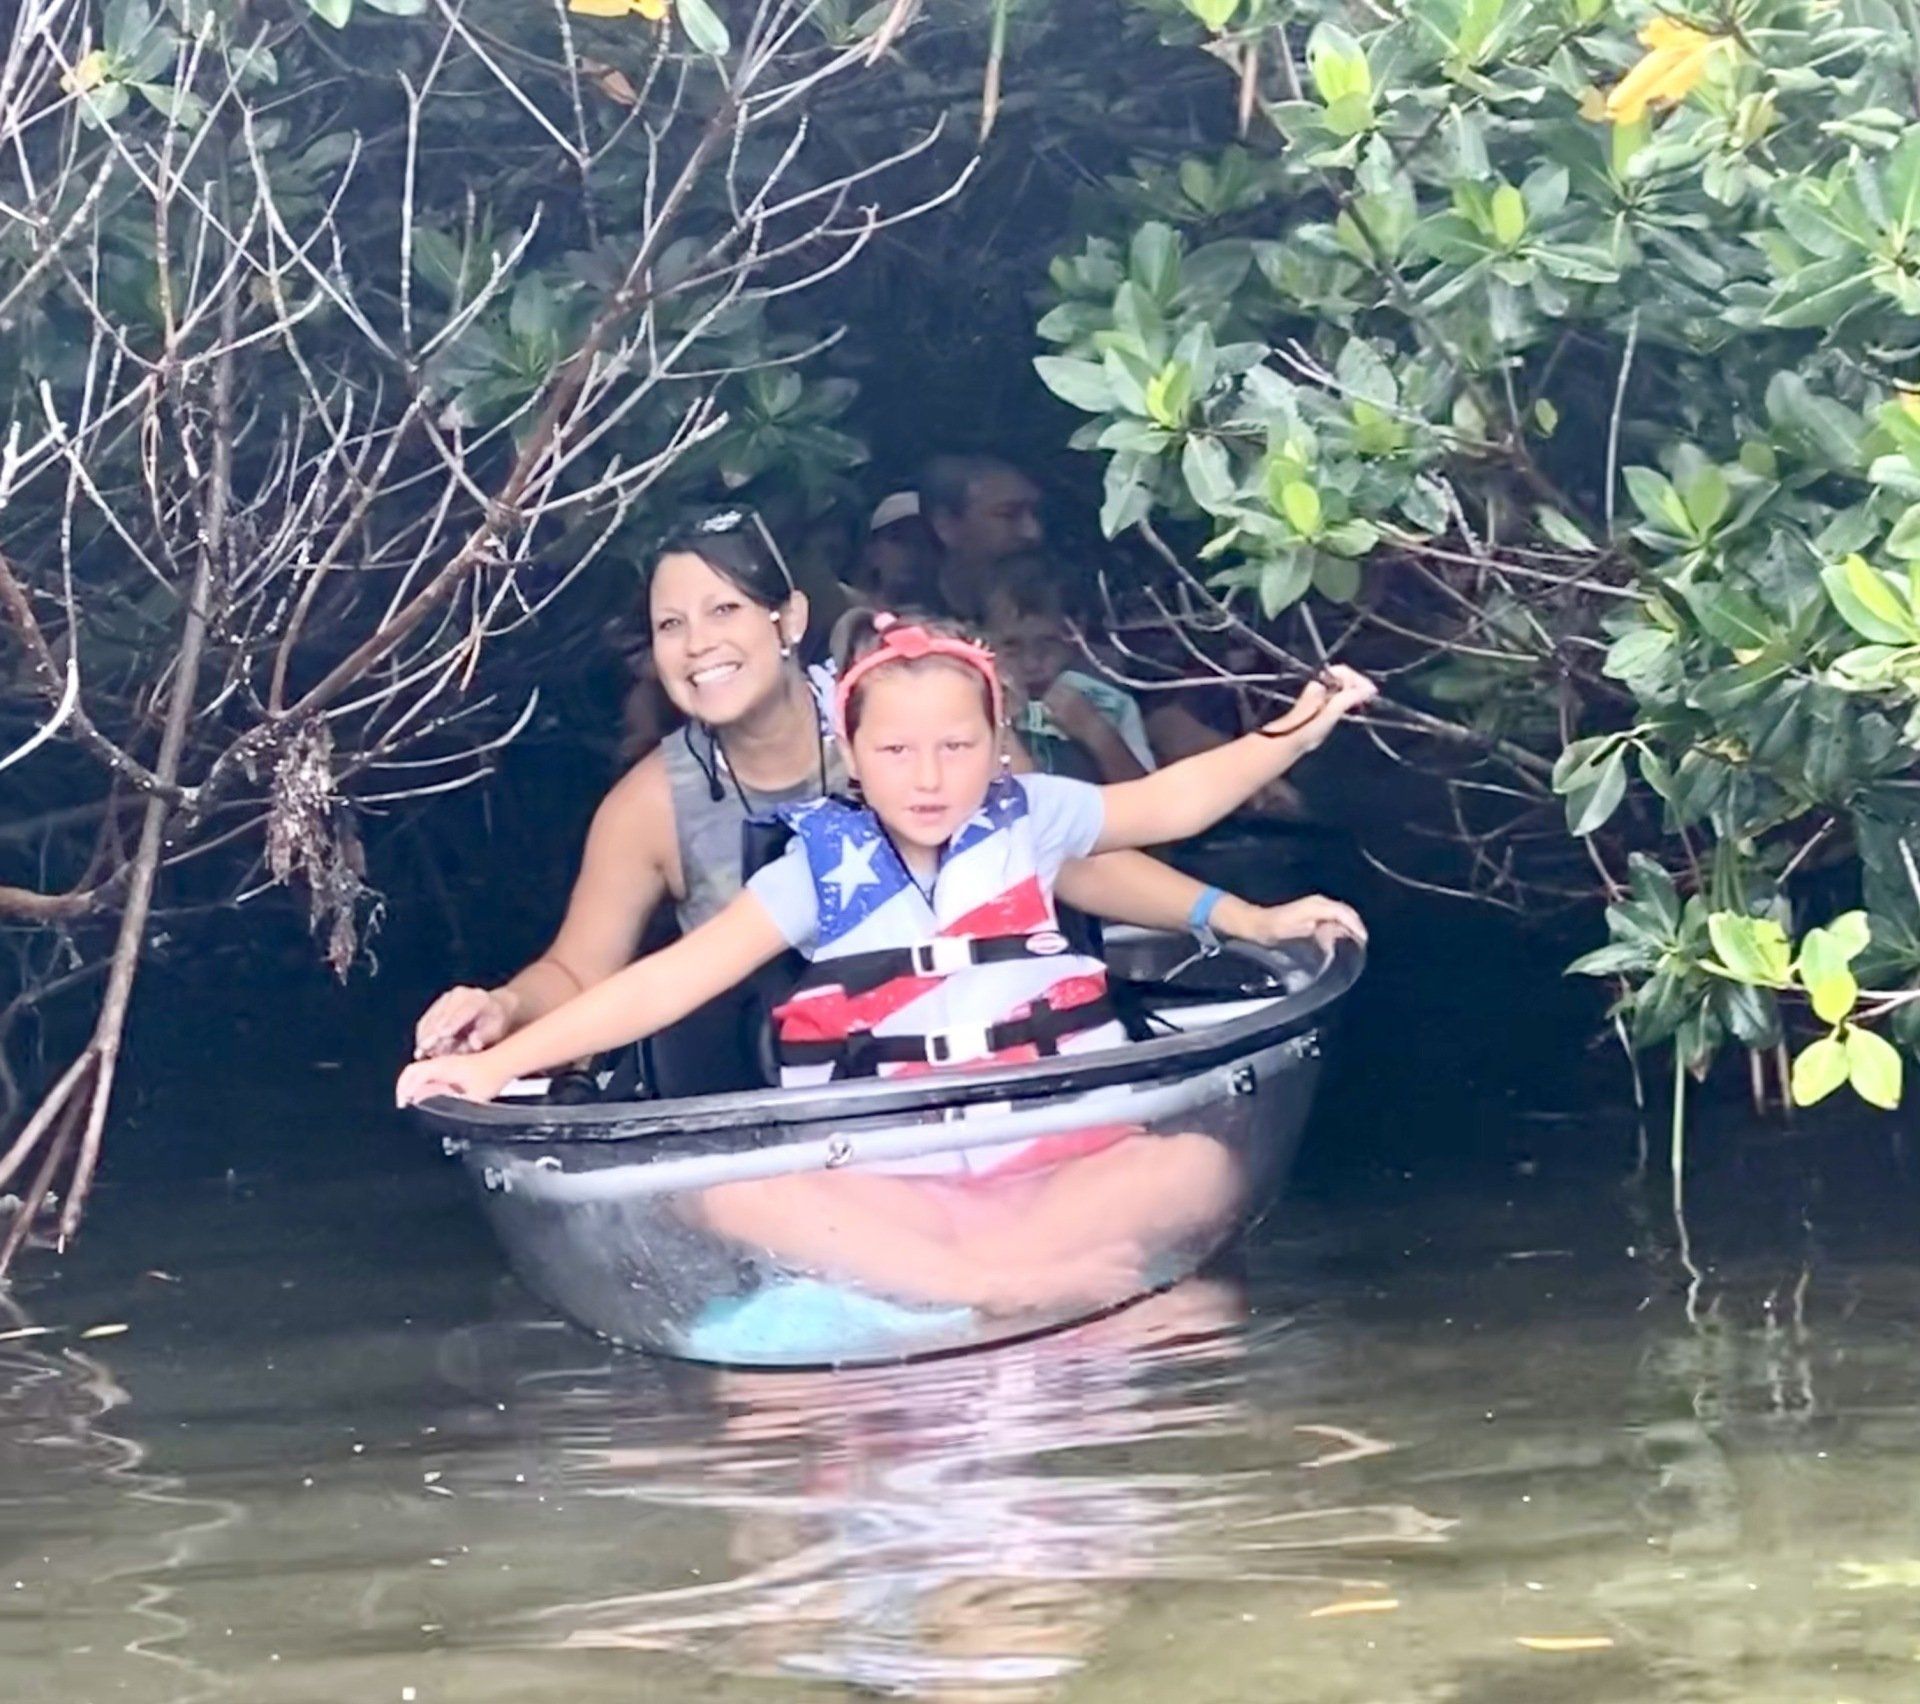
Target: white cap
(901,506)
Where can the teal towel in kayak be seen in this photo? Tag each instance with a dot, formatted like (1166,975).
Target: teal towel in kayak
(804,1319)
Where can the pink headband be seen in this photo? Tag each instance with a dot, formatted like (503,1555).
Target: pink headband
(908,642)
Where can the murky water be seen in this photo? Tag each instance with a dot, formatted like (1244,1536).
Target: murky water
(1451,1430)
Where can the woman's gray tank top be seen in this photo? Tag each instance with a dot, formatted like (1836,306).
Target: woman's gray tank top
(708,829)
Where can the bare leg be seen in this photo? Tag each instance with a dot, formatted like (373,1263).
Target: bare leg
(1144,1193)
(895,1238)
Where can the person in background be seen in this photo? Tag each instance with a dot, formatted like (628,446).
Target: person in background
(899,561)
(980,510)
(1073,722)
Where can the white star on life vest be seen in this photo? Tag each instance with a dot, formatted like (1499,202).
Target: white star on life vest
(855,869)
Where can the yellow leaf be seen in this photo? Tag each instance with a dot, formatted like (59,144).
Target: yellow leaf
(1677,58)
(90,73)
(1353,1606)
(1564,1642)
(653,10)
(600,8)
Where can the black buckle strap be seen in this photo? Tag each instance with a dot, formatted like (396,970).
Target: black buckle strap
(862,1054)
(860,973)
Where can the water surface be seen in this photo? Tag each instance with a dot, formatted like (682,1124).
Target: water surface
(1456,1427)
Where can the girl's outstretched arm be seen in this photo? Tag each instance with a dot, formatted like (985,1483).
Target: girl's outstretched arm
(1189,797)
(629,1006)
(1130,887)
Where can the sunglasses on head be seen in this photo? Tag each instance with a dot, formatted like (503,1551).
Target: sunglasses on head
(726,523)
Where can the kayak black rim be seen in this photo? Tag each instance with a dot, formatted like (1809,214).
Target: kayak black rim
(768,1109)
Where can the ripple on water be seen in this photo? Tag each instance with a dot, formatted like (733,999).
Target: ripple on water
(1445,1440)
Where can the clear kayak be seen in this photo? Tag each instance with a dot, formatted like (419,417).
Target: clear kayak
(880,1220)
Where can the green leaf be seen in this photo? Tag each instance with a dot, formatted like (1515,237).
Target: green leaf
(1821,428)
(1336,578)
(1753,949)
(1653,890)
(1300,503)
(127,23)
(1615,959)
(1874,1068)
(704,26)
(1707,497)
(1636,652)
(1868,602)
(1656,498)
(1579,762)
(1129,496)
(1364,376)
(1824,974)
(1509,212)
(1867,668)
(1215,14)
(1351,538)
(1660,1007)
(1338,65)
(1154,261)
(1562,531)
(1903,541)
(1170,395)
(1084,384)
(1852,933)
(1589,807)
(1209,475)
(1731,616)
(1127,433)
(1129,378)
(334,12)
(1350,115)
(1210,275)
(1752,1014)
(1284,581)
(1819,1070)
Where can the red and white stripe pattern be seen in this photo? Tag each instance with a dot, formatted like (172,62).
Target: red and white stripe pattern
(989,884)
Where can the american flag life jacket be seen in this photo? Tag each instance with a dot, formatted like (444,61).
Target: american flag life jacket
(897,986)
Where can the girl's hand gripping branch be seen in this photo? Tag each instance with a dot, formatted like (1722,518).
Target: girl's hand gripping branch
(1322,705)
(1189,797)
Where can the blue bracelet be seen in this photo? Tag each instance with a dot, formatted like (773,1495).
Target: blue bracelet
(1200,918)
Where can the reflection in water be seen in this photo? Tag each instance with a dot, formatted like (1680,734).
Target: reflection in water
(961,1528)
(66,1476)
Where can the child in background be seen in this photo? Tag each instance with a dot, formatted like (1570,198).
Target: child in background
(927,914)
(899,561)
(1073,722)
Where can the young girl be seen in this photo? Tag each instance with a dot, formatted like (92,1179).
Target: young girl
(927,913)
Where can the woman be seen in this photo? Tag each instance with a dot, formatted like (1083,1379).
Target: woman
(726,624)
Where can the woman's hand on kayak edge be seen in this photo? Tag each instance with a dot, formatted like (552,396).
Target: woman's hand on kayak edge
(462,1020)
(472,1076)
(1316,914)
